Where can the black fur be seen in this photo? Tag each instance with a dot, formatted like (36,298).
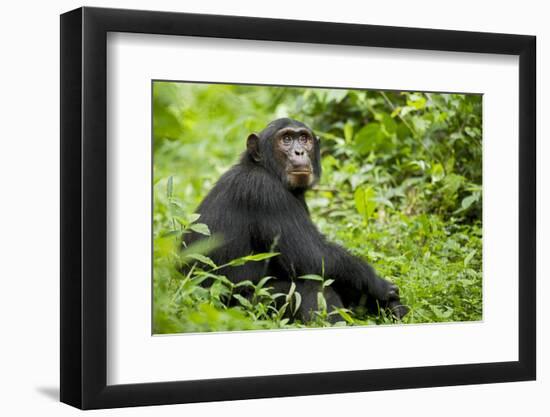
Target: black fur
(254,211)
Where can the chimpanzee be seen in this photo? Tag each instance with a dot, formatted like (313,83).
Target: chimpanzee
(259,206)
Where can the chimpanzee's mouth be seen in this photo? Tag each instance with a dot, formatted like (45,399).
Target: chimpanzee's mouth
(300,172)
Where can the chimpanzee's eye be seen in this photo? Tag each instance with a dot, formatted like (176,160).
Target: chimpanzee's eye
(304,139)
(287,139)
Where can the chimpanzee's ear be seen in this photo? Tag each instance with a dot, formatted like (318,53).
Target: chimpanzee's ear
(253,147)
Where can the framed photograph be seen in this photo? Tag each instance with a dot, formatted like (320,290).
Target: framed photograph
(256,208)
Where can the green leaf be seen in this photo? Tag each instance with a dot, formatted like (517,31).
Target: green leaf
(417,101)
(312,277)
(348,132)
(344,314)
(452,183)
(370,138)
(468,201)
(336,95)
(396,112)
(170,187)
(327,282)
(192,218)
(245,283)
(200,228)
(365,201)
(260,256)
(298,299)
(321,301)
(438,173)
(252,258)
(389,124)
(201,258)
(262,282)
(440,314)
(384,201)
(244,302)
(469,257)
(181,220)
(291,291)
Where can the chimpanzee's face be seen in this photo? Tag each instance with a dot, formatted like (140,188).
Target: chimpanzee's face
(289,150)
(294,149)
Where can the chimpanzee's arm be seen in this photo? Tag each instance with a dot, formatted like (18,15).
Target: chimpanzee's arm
(304,250)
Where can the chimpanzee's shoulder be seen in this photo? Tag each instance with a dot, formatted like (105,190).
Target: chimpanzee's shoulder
(252,187)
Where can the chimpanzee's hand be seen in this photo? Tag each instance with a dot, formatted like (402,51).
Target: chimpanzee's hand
(394,303)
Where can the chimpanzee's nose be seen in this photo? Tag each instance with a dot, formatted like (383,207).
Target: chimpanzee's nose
(299,152)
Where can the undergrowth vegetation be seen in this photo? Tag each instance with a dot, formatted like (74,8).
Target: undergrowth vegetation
(401,188)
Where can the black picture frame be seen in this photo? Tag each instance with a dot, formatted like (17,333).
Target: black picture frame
(84,207)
